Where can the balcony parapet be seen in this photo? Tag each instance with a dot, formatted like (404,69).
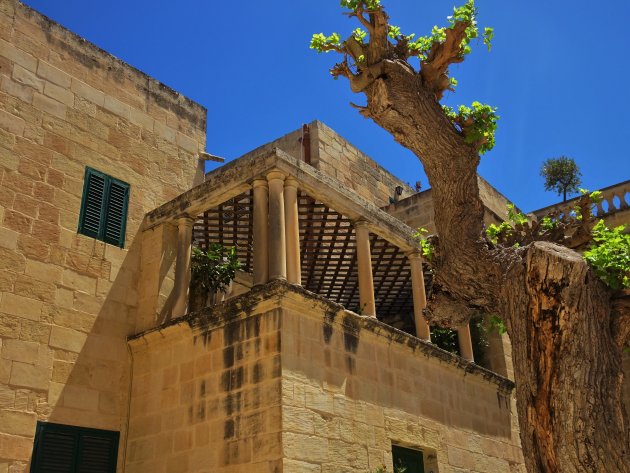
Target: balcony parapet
(280,294)
(615,198)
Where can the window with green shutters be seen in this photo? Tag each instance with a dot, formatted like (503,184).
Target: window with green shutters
(104,207)
(68,449)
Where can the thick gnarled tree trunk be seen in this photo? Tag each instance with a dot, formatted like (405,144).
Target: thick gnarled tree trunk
(566,328)
(567,358)
(567,364)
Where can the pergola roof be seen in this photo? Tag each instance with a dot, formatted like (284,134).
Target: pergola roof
(223,209)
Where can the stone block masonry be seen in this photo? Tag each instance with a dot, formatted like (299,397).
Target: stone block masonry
(208,398)
(336,157)
(279,379)
(68,302)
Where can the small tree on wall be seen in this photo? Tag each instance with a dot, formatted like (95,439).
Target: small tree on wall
(561,175)
(566,326)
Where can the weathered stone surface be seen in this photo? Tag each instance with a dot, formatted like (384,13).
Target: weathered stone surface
(67,339)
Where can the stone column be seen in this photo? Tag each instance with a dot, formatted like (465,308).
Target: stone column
(465,343)
(364,263)
(260,235)
(419,296)
(182,265)
(294,272)
(277,242)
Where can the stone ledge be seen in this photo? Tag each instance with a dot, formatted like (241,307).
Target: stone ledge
(235,177)
(280,293)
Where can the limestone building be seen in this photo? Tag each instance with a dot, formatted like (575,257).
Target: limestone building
(318,360)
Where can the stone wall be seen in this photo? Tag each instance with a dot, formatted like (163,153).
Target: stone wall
(335,156)
(279,379)
(417,210)
(352,388)
(207,398)
(67,302)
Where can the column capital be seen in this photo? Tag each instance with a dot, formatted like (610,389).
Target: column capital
(360,223)
(414,254)
(185,220)
(259,182)
(291,181)
(271,175)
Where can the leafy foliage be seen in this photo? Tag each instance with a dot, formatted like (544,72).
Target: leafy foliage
(609,256)
(506,229)
(445,338)
(444,45)
(216,268)
(466,14)
(324,44)
(426,247)
(496,323)
(561,175)
(478,123)
(366,4)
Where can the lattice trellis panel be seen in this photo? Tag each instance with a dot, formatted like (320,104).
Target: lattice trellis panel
(327,253)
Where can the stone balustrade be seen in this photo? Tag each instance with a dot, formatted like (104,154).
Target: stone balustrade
(615,199)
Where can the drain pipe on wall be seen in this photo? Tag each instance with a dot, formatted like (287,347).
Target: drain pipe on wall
(306,143)
(125,445)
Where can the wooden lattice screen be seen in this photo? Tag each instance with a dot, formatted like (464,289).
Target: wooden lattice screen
(327,253)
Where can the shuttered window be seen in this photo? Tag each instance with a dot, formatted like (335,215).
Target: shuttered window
(66,449)
(104,207)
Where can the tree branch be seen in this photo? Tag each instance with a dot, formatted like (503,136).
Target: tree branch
(355,49)
(359,14)
(379,44)
(359,82)
(442,54)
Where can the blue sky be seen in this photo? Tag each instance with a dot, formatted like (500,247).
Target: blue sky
(558,72)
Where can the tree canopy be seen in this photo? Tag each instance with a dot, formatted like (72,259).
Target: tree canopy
(561,175)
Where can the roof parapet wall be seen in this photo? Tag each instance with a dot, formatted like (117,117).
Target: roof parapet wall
(132,83)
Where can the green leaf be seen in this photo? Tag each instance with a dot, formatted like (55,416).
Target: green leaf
(609,255)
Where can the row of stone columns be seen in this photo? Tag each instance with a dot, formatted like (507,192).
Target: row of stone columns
(276,229)
(276,249)
(420,302)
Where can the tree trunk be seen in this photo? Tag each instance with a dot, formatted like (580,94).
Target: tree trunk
(567,365)
(567,358)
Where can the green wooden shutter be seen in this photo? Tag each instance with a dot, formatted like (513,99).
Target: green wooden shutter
(104,207)
(93,203)
(67,449)
(97,454)
(116,214)
(55,450)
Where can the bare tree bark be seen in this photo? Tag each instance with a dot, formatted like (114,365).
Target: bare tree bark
(566,356)
(567,364)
